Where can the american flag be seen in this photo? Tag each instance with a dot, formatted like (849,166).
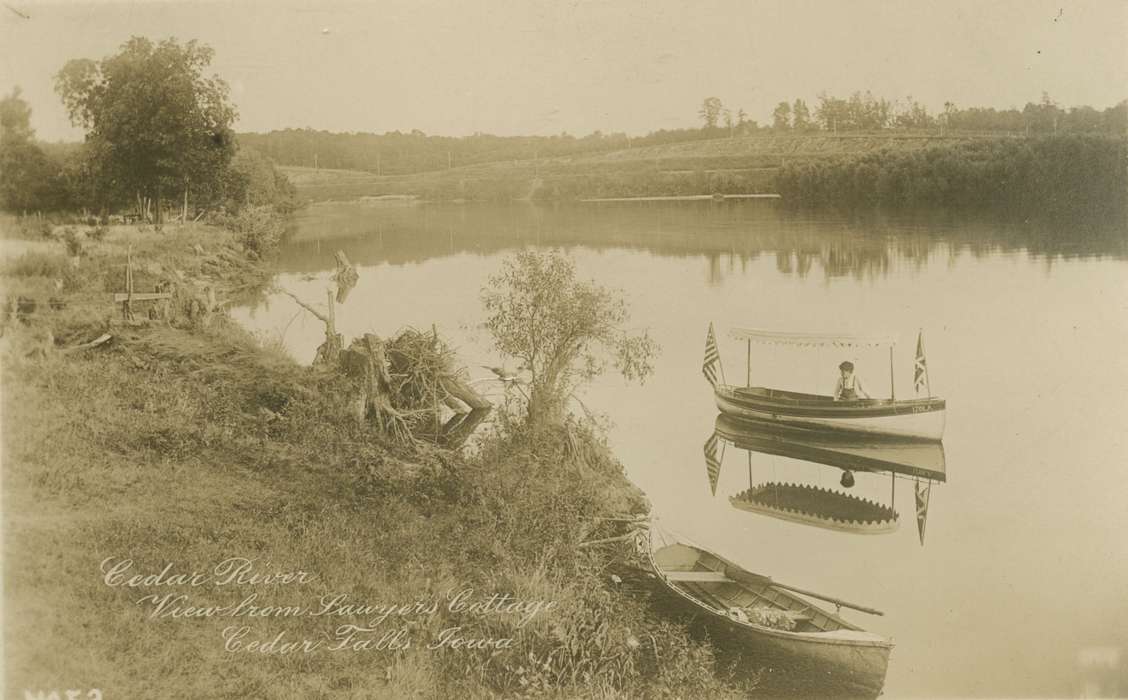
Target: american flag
(920,369)
(712,462)
(923,491)
(712,357)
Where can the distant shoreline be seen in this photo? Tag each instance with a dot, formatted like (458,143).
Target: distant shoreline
(684,197)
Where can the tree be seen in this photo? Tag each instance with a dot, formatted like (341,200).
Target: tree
(15,118)
(800,116)
(27,175)
(155,123)
(563,330)
(781,116)
(710,111)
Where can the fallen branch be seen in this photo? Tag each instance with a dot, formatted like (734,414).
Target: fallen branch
(609,540)
(320,316)
(86,346)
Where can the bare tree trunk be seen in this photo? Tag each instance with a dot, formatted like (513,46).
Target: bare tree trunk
(184,211)
(159,215)
(328,353)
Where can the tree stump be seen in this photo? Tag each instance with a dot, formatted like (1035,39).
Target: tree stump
(366,362)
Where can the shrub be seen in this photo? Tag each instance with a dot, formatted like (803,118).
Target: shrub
(257,228)
(73,241)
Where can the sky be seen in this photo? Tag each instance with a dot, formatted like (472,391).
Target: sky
(535,67)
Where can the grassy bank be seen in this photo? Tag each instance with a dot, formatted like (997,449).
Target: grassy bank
(186,441)
(1027,176)
(723,165)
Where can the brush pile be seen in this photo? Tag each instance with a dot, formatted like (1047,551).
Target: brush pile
(404,384)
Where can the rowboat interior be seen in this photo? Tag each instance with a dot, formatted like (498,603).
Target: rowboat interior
(726,589)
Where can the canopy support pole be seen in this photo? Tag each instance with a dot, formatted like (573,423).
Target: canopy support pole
(892,490)
(748,380)
(892,389)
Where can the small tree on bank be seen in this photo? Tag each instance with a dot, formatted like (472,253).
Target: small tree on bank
(155,123)
(563,330)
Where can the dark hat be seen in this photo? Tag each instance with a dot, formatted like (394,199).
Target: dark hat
(847,365)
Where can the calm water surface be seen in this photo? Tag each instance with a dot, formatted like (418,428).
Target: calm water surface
(1024,561)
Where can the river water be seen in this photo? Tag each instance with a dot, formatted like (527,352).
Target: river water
(1024,562)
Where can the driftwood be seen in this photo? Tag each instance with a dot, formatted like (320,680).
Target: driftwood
(461,391)
(105,337)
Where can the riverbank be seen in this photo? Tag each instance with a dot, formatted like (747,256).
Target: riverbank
(1026,176)
(186,442)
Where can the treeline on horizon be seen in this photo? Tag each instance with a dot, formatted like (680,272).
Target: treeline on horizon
(404,153)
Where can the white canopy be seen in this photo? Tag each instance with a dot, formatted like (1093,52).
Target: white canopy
(814,339)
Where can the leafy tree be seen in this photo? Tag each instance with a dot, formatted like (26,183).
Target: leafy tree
(710,111)
(155,122)
(27,175)
(563,330)
(800,116)
(15,118)
(255,181)
(781,116)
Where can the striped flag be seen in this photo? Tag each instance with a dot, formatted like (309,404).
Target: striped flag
(712,357)
(923,491)
(920,368)
(712,462)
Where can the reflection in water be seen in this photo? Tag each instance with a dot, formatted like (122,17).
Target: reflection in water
(823,507)
(729,234)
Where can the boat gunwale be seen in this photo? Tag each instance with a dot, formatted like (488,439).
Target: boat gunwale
(822,405)
(803,637)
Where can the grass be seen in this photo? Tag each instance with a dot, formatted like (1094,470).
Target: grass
(188,443)
(733,166)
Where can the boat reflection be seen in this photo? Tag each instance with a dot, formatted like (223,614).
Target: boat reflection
(807,504)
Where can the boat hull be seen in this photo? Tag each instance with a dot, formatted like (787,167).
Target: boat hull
(839,661)
(790,668)
(913,419)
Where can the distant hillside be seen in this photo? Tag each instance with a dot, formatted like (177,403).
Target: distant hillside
(724,165)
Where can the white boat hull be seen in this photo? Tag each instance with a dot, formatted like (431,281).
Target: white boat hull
(918,425)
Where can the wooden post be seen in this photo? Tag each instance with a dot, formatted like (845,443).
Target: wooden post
(184,214)
(127,311)
(892,390)
(893,489)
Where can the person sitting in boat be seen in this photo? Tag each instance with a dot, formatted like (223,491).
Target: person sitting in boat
(849,387)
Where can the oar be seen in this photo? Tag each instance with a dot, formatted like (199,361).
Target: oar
(759,578)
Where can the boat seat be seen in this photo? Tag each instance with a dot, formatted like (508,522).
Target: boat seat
(698,577)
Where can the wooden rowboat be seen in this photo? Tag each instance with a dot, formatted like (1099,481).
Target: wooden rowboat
(915,419)
(743,610)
